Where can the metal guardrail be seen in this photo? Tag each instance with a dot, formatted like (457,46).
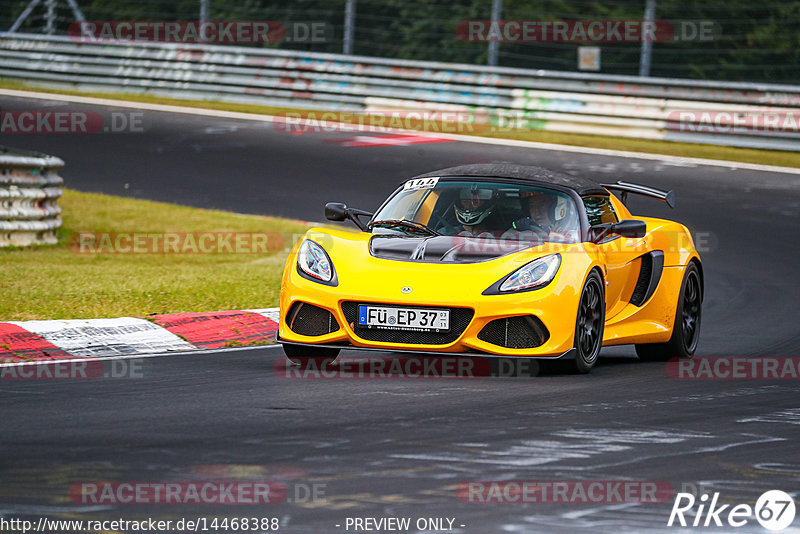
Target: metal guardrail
(735,114)
(29,192)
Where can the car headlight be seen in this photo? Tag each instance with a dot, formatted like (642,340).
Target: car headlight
(313,261)
(533,275)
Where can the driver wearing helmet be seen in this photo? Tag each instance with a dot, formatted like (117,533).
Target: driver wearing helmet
(473,207)
(547,214)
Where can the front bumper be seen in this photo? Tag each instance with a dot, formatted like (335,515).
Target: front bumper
(555,306)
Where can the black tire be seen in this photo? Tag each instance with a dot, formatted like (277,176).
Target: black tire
(589,323)
(302,353)
(686,328)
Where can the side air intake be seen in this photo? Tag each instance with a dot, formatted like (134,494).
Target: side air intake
(652,265)
(309,320)
(521,332)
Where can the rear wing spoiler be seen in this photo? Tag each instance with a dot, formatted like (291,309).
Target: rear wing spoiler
(627,187)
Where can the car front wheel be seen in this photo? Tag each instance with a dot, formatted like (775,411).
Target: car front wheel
(589,323)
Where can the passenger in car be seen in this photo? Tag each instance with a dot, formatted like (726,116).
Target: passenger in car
(551,216)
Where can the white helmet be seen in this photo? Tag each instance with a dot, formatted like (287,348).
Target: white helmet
(474,204)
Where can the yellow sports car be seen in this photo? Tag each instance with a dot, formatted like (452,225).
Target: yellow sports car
(496,259)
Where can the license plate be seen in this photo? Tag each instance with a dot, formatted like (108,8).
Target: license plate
(420,319)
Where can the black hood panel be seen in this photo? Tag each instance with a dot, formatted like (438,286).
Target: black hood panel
(443,249)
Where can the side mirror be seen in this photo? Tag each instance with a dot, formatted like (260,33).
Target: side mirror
(335,211)
(630,228)
(627,228)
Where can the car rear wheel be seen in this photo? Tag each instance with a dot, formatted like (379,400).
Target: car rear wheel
(589,323)
(302,353)
(686,329)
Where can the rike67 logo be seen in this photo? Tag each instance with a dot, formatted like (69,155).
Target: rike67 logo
(774,510)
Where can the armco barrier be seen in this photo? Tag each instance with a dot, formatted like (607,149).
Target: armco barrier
(735,114)
(29,192)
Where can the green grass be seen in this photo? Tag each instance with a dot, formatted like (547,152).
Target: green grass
(746,155)
(56,282)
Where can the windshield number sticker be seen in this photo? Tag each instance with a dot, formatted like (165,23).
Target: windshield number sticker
(421,183)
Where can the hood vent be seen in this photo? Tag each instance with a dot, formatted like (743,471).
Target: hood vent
(443,249)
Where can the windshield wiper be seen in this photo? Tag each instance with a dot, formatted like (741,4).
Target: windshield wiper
(404,223)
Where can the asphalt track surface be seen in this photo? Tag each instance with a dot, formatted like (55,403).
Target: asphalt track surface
(401,447)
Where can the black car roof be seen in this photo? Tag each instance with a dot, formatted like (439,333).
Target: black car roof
(582,186)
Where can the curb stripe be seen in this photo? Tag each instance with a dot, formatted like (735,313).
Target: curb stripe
(273,314)
(88,338)
(20,345)
(219,329)
(44,341)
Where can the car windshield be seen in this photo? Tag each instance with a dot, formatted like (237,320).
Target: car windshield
(479,209)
